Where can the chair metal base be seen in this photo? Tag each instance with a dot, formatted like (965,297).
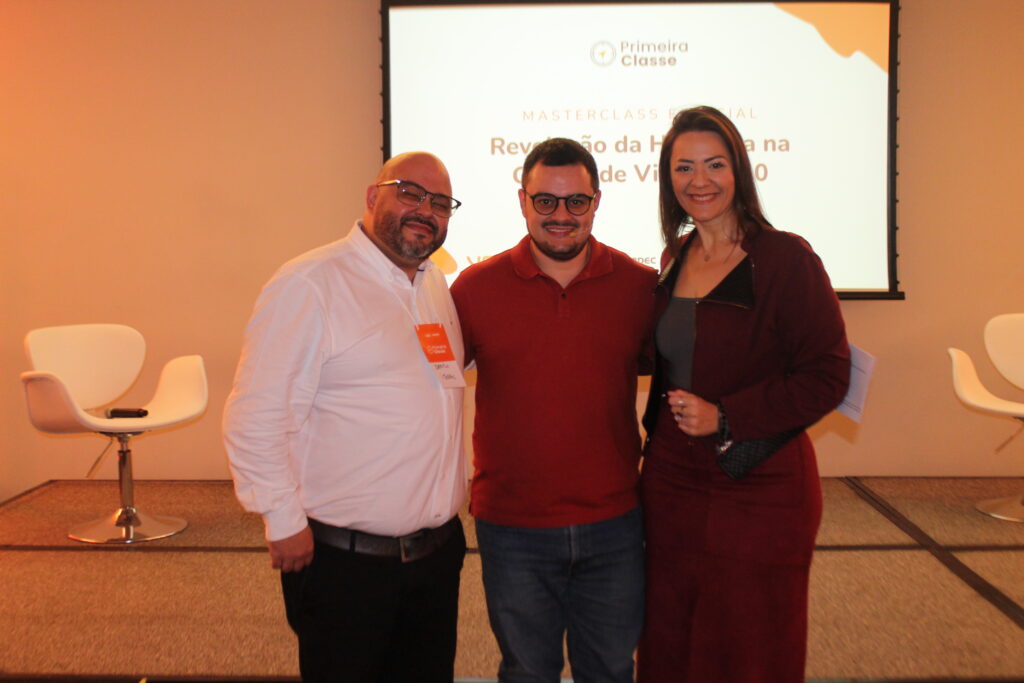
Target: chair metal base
(127,525)
(1010,508)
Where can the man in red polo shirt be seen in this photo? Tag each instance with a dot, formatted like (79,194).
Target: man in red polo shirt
(558,326)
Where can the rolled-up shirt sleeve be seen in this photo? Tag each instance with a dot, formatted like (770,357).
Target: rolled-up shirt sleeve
(286,342)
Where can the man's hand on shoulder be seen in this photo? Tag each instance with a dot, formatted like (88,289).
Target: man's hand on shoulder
(292,553)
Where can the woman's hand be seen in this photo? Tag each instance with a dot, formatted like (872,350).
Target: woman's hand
(693,415)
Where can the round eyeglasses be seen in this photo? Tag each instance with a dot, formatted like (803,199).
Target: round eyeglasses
(545,204)
(412,194)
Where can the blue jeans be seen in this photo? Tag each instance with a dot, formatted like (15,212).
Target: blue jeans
(586,581)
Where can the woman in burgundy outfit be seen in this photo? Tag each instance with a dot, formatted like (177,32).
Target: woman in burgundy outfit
(751,350)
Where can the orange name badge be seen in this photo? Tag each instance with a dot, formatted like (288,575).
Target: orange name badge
(434,341)
(438,350)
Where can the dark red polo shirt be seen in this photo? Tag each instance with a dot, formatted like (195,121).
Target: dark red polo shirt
(555,440)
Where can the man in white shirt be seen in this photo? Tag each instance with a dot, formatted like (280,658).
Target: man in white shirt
(344,430)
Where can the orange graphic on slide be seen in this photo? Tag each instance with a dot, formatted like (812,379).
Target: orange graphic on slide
(444,261)
(848,27)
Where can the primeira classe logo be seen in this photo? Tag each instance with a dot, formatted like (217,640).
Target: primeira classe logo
(638,53)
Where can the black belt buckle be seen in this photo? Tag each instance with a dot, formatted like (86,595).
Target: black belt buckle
(412,548)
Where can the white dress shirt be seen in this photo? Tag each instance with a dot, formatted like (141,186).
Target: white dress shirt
(335,412)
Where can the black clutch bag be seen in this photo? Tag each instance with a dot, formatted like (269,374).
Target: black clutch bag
(740,457)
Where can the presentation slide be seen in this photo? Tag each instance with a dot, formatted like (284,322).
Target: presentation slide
(806,83)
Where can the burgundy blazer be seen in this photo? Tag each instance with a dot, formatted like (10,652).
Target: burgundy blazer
(770,343)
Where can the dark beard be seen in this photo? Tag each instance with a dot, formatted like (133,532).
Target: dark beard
(390,234)
(556,254)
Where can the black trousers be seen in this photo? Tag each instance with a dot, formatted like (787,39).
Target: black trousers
(362,618)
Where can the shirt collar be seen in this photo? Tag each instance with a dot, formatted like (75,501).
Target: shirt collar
(599,263)
(737,287)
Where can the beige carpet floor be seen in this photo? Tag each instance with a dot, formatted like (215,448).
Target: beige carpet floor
(909,582)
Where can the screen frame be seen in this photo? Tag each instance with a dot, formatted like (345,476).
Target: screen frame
(893,292)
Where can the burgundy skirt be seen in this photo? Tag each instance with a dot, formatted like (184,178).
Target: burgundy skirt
(727,562)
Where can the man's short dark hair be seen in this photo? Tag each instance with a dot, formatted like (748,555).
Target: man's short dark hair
(561,152)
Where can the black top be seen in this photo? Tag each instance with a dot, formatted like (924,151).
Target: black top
(675,336)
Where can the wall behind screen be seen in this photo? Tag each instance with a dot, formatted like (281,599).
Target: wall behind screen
(161,159)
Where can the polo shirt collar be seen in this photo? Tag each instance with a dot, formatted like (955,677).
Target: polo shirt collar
(600,262)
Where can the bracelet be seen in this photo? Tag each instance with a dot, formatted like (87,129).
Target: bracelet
(724,433)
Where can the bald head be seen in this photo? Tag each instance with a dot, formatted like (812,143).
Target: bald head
(404,166)
(407,233)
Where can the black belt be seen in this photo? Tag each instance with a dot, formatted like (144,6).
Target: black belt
(410,547)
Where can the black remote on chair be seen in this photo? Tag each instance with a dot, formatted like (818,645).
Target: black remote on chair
(127,412)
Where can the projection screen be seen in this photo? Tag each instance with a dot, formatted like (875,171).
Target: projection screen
(810,85)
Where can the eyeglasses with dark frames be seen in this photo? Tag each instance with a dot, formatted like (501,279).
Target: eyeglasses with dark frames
(576,204)
(413,194)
